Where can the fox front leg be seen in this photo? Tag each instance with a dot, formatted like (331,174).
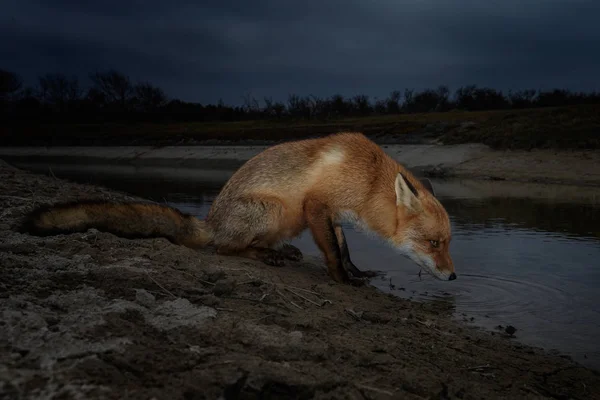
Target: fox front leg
(321,226)
(345,256)
(318,218)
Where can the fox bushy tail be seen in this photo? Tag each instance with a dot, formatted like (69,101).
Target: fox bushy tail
(125,219)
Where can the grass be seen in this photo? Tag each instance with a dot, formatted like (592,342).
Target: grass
(560,127)
(575,127)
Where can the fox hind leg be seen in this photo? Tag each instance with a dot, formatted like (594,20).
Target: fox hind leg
(247,227)
(264,254)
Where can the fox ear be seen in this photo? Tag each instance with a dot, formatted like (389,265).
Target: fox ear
(428,185)
(406,194)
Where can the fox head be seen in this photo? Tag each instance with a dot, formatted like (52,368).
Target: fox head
(423,231)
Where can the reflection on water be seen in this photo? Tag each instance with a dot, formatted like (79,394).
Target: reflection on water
(573,220)
(527,262)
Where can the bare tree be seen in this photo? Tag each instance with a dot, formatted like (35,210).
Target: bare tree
(10,84)
(409,95)
(465,97)
(380,106)
(279,109)
(522,98)
(427,100)
(268,109)
(251,105)
(393,102)
(114,86)
(149,97)
(273,108)
(58,90)
(299,106)
(361,104)
(443,94)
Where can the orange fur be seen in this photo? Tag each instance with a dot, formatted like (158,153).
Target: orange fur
(312,183)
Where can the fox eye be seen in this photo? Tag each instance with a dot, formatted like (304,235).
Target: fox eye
(434,243)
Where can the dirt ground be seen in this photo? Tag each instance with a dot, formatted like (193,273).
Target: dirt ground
(92,315)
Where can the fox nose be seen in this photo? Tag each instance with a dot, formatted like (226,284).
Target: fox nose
(452,277)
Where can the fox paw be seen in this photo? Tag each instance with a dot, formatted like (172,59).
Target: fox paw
(369,274)
(358,282)
(291,252)
(273,258)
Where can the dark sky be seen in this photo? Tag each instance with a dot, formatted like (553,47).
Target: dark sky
(206,50)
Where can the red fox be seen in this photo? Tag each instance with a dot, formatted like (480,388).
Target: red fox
(314,183)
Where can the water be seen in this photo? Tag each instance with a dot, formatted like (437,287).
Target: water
(526,255)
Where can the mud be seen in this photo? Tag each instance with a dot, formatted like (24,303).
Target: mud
(96,316)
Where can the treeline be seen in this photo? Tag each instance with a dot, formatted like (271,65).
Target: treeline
(114,96)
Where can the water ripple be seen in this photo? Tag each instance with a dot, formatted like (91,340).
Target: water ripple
(480,294)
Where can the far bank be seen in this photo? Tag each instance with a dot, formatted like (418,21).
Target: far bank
(475,161)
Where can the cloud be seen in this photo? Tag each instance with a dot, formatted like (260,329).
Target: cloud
(207,50)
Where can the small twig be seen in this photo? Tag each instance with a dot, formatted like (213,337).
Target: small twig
(247,282)
(33,197)
(353,314)
(373,389)
(218,363)
(224,309)
(14,197)
(265,317)
(288,300)
(193,276)
(159,285)
(305,290)
(478,367)
(206,282)
(391,285)
(255,301)
(430,326)
(305,298)
(236,269)
(532,390)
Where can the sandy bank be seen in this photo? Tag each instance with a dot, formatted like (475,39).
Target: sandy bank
(96,316)
(463,160)
(222,156)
